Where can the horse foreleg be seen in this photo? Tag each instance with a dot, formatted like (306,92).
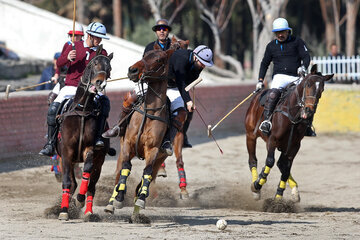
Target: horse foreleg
(284,164)
(66,187)
(270,161)
(94,178)
(143,187)
(88,166)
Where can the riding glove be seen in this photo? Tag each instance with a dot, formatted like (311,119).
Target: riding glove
(259,85)
(301,71)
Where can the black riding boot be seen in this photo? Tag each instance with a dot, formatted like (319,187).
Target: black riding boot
(169,139)
(269,107)
(49,147)
(186,143)
(100,125)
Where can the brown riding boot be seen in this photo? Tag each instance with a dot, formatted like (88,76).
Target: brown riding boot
(119,129)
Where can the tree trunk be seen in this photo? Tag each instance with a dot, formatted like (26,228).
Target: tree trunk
(352,9)
(117,18)
(328,16)
(81,12)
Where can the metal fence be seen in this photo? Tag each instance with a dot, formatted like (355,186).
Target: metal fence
(346,69)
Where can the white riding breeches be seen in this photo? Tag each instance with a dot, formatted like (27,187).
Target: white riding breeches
(175,98)
(56,89)
(65,93)
(282,80)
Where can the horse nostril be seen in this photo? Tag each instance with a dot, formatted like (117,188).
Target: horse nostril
(133,70)
(98,82)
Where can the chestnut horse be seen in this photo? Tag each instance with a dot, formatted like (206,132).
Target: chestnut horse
(145,131)
(77,137)
(289,122)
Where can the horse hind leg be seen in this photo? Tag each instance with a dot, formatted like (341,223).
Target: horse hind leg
(118,196)
(67,189)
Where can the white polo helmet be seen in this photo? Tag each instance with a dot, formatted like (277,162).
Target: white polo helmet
(204,55)
(97,29)
(78,30)
(280,24)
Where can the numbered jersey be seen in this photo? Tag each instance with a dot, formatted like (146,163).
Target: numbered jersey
(76,67)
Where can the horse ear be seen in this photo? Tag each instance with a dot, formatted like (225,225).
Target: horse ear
(313,69)
(111,56)
(328,77)
(156,46)
(187,42)
(99,49)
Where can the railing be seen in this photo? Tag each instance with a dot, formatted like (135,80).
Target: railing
(346,69)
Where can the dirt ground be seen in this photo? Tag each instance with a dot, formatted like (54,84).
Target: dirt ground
(326,169)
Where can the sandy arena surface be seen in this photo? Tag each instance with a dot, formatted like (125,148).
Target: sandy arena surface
(326,169)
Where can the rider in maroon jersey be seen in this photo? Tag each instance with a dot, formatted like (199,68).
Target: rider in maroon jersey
(76,56)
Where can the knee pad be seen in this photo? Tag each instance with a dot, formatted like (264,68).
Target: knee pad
(129,99)
(274,93)
(179,118)
(53,109)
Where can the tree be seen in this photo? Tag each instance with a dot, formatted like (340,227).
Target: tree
(117,18)
(352,9)
(159,8)
(263,14)
(217,16)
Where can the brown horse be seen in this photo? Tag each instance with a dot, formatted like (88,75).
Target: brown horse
(289,122)
(145,131)
(77,137)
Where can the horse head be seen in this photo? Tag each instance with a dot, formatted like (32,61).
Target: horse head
(179,44)
(312,90)
(97,71)
(153,65)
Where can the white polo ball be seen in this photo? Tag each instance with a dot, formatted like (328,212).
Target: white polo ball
(221,224)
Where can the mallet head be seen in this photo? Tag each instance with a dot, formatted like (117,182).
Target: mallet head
(209,130)
(7,91)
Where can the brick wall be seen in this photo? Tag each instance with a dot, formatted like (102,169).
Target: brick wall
(23,118)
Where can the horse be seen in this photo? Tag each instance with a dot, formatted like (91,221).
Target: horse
(145,131)
(290,119)
(77,137)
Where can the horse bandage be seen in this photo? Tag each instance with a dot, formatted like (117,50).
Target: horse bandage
(145,183)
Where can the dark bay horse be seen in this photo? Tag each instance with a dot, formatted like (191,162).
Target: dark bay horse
(145,131)
(289,122)
(77,137)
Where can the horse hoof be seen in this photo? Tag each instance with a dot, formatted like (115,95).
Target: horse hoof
(140,203)
(253,189)
(256,196)
(295,195)
(64,216)
(87,216)
(79,204)
(162,172)
(109,209)
(118,204)
(184,194)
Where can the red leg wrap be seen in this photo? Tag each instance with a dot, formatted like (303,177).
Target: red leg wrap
(65,198)
(163,164)
(89,204)
(182,177)
(84,183)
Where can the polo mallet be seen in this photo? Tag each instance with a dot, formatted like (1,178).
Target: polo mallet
(192,86)
(117,79)
(73,33)
(213,128)
(8,90)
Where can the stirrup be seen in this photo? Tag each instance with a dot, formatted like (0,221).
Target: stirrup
(48,150)
(265,126)
(166,147)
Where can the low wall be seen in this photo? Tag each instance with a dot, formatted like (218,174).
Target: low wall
(23,116)
(338,110)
